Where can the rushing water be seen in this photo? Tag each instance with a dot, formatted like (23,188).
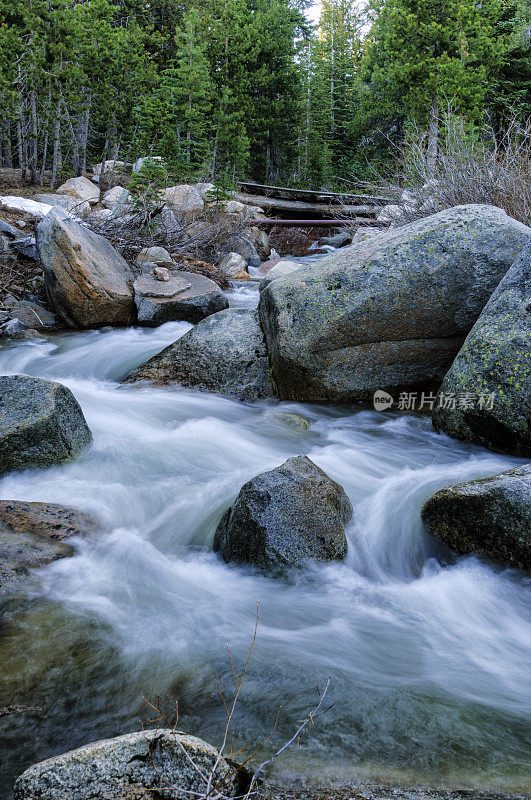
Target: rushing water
(427,655)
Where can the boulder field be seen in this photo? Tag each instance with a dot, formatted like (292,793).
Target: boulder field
(389,313)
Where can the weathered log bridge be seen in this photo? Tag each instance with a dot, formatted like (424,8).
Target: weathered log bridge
(313,207)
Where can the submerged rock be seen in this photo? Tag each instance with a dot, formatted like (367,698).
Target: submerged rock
(123,767)
(490,517)
(284,517)
(187,296)
(31,536)
(87,281)
(494,369)
(41,423)
(224,353)
(391,312)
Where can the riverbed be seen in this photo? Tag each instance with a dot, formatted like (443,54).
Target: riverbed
(427,654)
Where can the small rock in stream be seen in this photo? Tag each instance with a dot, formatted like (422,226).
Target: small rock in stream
(285,517)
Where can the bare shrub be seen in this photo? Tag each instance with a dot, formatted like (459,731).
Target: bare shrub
(470,168)
(201,237)
(215,787)
(473,165)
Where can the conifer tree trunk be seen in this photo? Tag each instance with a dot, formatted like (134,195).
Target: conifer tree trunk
(332,68)
(33,137)
(56,161)
(433,136)
(85,133)
(7,159)
(20,145)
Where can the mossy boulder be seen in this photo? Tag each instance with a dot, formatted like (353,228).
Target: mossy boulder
(134,765)
(494,365)
(391,312)
(41,423)
(224,353)
(490,517)
(284,517)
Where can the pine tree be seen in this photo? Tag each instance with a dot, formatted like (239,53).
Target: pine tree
(190,88)
(427,52)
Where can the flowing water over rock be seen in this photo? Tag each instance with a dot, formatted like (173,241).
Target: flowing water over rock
(427,656)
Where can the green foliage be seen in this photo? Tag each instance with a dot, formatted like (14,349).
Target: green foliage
(223,190)
(246,88)
(147,189)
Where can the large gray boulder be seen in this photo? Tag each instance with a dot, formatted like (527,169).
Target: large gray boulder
(224,353)
(31,535)
(493,368)
(391,312)
(185,197)
(187,296)
(490,517)
(80,188)
(41,423)
(285,517)
(123,767)
(87,281)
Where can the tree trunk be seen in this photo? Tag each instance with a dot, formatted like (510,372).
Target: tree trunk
(20,146)
(433,137)
(56,162)
(7,159)
(214,153)
(44,157)
(85,133)
(332,88)
(33,137)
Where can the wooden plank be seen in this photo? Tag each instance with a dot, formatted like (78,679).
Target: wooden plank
(276,204)
(336,196)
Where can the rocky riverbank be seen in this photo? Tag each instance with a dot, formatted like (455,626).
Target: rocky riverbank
(436,310)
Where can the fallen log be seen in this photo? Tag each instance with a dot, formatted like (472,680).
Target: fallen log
(337,197)
(275,204)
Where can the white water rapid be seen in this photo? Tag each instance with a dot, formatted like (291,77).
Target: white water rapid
(428,656)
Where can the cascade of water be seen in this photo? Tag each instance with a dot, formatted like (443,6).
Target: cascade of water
(427,656)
